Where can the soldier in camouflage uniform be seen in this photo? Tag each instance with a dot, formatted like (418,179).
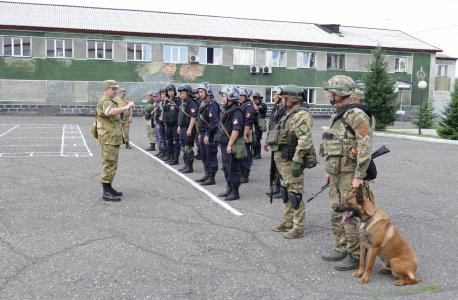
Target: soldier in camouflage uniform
(126,118)
(109,129)
(294,141)
(358,97)
(347,159)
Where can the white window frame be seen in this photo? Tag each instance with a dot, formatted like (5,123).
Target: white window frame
(301,60)
(397,70)
(135,50)
(245,49)
(104,49)
(12,46)
(271,58)
(439,70)
(64,42)
(201,61)
(308,94)
(338,55)
(171,54)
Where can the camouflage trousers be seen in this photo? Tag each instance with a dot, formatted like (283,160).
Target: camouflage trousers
(294,216)
(346,237)
(159,135)
(150,131)
(292,184)
(125,129)
(110,162)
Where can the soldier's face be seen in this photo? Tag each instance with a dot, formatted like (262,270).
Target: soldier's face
(111,92)
(275,97)
(157,98)
(197,95)
(243,98)
(150,97)
(356,100)
(171,93)
(183,95)
(224,97)
(163,96)
(122,95)
(202,93)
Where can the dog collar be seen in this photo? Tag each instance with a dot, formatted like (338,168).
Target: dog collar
(368,219)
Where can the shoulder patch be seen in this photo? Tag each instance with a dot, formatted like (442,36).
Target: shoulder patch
(248,114)
(236,122)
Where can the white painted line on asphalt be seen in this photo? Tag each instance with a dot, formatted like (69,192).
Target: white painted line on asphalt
(84,141)
(200,188)
(10,130)
(417,138)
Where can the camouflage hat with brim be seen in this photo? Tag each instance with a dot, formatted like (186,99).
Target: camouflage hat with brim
(123,91)
(358,94)
(150,93)
(109,84)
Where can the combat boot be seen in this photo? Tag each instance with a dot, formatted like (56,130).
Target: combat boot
(275,191)
(174,160)
(163,155)
(277,196)
(244,176)
(190,168)
(349,263)
(334,256)
(114,192)
(184,167)
(210,180)
(167,157)
(151,147)
(159,153)
(294,233)
(234,195)
(198,156)
(257,155)
(128,146)
(283,227)
(107,195)
(227,191)
(207,173)
(154,146)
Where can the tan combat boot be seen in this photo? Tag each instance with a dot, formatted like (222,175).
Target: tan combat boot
(283,227)
(294,233)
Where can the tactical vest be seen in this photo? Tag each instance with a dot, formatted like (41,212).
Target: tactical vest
(184,116)
(170,111)
(203,119)
(158,112)
(281,137)
(223,134)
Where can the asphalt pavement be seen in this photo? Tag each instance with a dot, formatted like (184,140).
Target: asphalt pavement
(168,239)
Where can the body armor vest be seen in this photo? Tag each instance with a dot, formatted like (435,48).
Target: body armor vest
(203,119)
(226,120)
(184,116)
(281,137)
(170,111)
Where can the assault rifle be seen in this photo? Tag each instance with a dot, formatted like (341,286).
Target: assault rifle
(379,152)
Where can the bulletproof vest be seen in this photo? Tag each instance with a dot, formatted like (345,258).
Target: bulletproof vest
(280,136)
(336,141)
(262,114)
(226,121)
(276,116)
(147,114)
(184,116)
(203,118)
(170,111)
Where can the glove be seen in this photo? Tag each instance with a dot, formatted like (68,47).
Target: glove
(296,169)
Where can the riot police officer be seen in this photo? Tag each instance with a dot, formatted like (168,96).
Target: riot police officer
(186,121)
(170,110)
(199,102)
(207,123)
(260,116)
(248,108)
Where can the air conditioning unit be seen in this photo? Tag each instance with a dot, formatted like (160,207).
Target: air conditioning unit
(194,58)
(266,70)
(254,70)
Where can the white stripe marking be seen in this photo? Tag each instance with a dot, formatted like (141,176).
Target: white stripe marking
(84,141)
(200,188)
(62,145)
(10,130)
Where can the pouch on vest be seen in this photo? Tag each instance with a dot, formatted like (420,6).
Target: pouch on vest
(309,159)
(332,165)
(239,148)
(262,124)
(272,138)
(332,147)
(287,153)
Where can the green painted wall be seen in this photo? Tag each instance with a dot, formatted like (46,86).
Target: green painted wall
(420,60)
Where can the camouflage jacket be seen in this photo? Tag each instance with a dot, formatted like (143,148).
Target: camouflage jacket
(109,128)
(122,103)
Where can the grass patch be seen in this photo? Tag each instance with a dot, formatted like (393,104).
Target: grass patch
(411,134)
(434,127)
(421,288)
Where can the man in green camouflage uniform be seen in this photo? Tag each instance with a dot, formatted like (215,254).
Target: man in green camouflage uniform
(110,137)
(347,159)
(358,97)
(126,118)
(293,142)
(150,128)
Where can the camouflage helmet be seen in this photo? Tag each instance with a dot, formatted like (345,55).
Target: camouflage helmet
(186,88)
(290,91)
(232,93)
(149,108)
(207,87)
(257,95)
(244,92)
(358,94)
(340,85)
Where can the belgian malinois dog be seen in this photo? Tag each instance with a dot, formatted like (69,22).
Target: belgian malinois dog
(380,237)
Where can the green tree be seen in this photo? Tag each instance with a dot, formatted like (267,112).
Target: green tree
(379,91)
(427,116)
(449,122)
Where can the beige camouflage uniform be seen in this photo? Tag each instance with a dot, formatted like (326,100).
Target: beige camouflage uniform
(150,130)
(300,121)
(343,164)
(110,137)
(125,119)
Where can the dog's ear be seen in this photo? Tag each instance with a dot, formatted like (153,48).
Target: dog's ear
(359,194)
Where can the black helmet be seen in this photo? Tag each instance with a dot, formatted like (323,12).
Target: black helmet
(256,95)
(170,86)
(186,88)
(162,90)
(196,90)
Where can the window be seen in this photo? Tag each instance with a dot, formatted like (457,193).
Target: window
(59,48)
(99,50)
(138,52)
(244,57)
(16,46)
(400,64)
(336,61)
(276,58)
(442,71)
(211,56)
(175,54)
(309,95)
(306,59)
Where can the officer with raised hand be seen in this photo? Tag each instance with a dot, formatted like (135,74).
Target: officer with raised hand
(186,122)
(207,123)
(261,113)
(278,111)
(170,110)
(230,128)
(291,148)
(126,118)
(150,131)
(199,102)
(248,108)
(347,146)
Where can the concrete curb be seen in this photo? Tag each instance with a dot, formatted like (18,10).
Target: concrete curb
(417,138)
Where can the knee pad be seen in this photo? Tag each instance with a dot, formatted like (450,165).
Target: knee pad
(295,199)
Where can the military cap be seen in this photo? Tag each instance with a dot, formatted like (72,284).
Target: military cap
(150,93)
(122,91)
(109,84)
(358,94)
(156,94)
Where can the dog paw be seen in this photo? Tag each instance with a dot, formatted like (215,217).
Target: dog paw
(363,280)
(384,271)
(357,274)
(399,282)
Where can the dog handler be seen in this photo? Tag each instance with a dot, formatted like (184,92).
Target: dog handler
(347,147)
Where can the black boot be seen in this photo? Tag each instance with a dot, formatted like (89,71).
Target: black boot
(207,173)
(210,180)
(190,168)
(159,153)
(151,147)
(128,146)
(244,176)
(234,195)
(166,157)
(275,191)
(174,160)
(154,146)
(198,156)
(257,155)
(115,192)
(163,155)
(227,191)
(184,167)
(107,195)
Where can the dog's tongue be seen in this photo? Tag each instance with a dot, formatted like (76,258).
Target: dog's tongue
(345,217)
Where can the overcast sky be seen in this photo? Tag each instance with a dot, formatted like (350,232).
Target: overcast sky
(434,22)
